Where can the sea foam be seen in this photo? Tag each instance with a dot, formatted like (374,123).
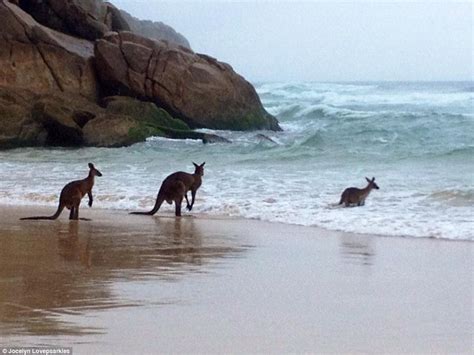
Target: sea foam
(416,139)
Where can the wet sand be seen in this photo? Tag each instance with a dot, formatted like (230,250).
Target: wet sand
(140,284)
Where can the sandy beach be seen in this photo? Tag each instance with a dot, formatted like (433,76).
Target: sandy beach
(140,284)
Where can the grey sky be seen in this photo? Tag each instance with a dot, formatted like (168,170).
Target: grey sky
(325,41)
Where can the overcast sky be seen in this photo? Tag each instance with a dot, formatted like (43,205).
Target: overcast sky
(325,41)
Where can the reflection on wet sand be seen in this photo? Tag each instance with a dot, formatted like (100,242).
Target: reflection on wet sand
(147,285)
(71,249)
(52,270)
(357,249)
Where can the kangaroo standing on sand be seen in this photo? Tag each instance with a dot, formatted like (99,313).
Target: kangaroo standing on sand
(353,195)
(175,187)
(72,194)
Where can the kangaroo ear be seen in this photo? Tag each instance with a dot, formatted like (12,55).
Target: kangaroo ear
(202,164)
(195,164)
(373,179)
(91,166)
(368,180)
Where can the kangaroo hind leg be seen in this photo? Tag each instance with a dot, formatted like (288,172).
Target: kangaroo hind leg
(74,214)
(71,213)
(177,203)
(180,194)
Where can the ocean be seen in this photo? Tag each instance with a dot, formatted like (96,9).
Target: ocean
(416,139)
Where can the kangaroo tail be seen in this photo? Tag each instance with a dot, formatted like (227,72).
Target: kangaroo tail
(158,202)
(36,218)
(145,213)
(54,216)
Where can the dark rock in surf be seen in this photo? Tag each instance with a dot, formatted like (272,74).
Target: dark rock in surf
(265,138)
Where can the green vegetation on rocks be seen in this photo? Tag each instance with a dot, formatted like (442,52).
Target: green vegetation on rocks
(146,112)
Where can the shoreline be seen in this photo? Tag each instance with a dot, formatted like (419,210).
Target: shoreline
(49,210)
(220,285)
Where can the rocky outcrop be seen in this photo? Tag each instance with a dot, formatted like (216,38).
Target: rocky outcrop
(196,88)
(36,57)
(89,19)
(155,30)
(17,127)
(109,130)
(58,119)
(92,19)
(143,111)
(63,82)
(31,119)
(148,120)
(127,120)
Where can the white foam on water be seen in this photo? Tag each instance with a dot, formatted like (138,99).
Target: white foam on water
(425,189)
(273,193)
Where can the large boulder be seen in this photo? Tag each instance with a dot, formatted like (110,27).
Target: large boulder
(115,20)
(17,126)
(142,111)
(52,119)
(127,121)
(92,19)
(89,19)
(195,88)
(110,130)
(43,60)
(63,118)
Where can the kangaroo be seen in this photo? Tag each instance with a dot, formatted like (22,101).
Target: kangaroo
(353,195)
(72,194)
(175,187)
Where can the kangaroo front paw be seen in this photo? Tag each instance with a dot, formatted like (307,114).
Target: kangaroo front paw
(189,207)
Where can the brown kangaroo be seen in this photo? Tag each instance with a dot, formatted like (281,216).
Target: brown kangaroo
(72,194)
(353,195)
(175,187)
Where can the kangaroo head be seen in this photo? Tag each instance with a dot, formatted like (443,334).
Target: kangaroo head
(372,183)
(199,169)
(93,171)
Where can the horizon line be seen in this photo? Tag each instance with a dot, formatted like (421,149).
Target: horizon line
(364,81)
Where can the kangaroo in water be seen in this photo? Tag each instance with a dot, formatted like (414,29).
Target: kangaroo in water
(72,194)
(175,187)
(353,195)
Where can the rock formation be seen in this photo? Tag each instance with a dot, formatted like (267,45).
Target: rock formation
(35,57)
(89,19)
(30,119)
(17,127)
(194,87)
(60,61)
